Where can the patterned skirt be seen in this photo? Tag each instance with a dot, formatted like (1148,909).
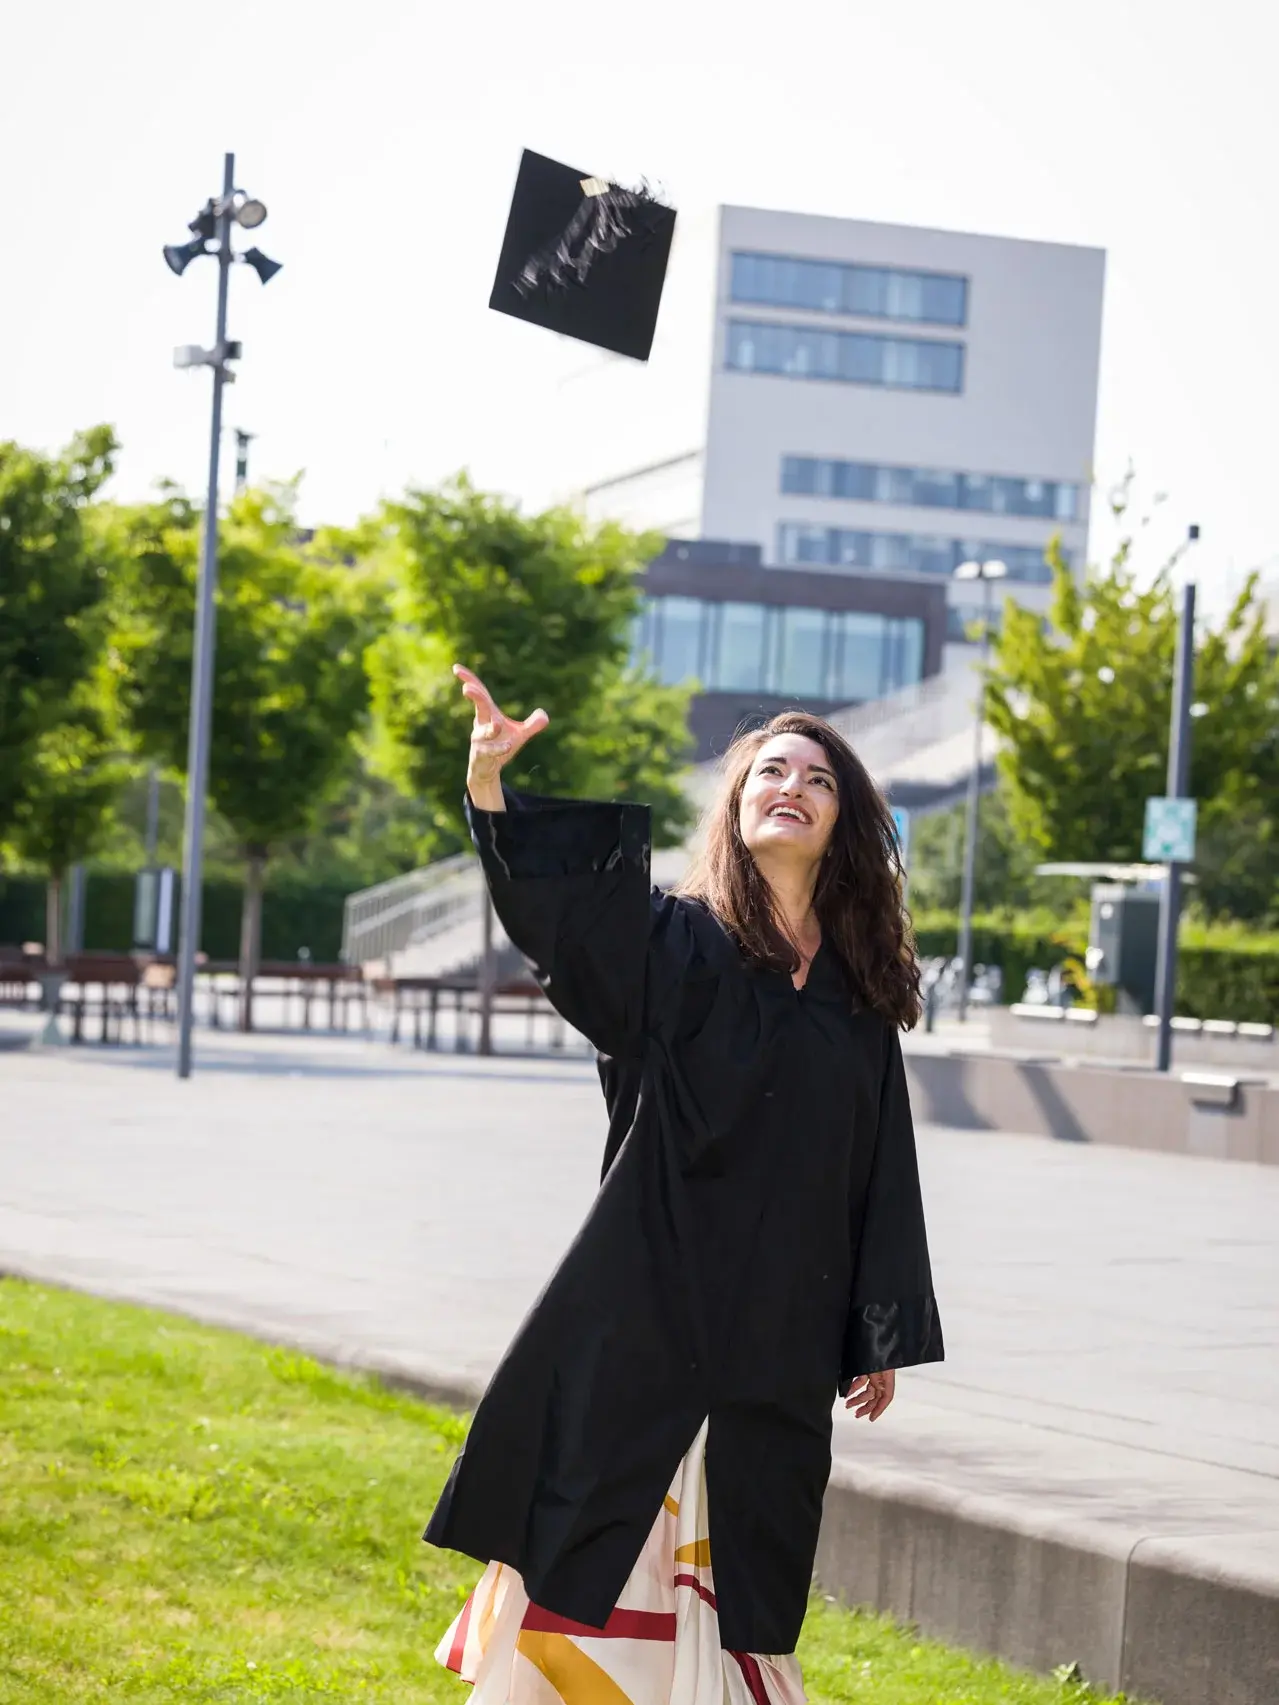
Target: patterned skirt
(660,1644)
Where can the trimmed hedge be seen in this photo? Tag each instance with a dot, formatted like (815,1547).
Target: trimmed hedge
(1236,980)
(1216,978)
(1014,949)
(1229,982)
(294,915)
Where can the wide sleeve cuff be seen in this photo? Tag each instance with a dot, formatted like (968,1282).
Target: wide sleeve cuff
(899,1334)
(541,837)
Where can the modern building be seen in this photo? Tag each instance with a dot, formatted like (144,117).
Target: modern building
(759,639)
(857,399)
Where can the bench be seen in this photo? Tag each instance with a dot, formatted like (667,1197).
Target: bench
(421,998)
(302,981)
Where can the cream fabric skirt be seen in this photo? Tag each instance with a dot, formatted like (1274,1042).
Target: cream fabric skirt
(660,1645)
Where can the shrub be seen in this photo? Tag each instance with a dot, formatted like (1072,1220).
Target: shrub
(295,914)
(1226,972)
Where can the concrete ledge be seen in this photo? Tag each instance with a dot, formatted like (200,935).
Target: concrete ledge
(1121,1038)
(1216,1115)
(1202,1623)
(1190,1621)
(973,1572)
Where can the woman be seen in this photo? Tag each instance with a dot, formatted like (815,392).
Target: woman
(757,1241)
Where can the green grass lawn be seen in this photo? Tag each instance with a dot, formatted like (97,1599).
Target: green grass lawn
(189,1514)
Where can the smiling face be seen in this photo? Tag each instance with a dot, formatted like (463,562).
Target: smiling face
(789,801)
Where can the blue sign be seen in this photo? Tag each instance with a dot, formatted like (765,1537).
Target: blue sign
(901,827)
(1170,831)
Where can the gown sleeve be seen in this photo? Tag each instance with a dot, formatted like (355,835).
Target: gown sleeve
(892,1317)
(570,883)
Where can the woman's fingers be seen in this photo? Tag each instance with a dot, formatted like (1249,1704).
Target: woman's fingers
(486,708)
(885,1394)
(475,690)
(855,1390)
(872,1393)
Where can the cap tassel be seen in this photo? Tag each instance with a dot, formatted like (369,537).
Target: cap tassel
(607,217)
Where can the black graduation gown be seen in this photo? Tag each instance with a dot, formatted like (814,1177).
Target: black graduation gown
(757,1241)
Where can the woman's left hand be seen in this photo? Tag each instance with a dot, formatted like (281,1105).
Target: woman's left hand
(873,1391)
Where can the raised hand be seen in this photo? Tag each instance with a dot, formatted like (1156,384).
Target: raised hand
(495,739)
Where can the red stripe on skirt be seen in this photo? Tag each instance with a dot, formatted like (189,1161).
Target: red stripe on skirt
(698,1588)
(754,1680)
(621,1625)
(459,1638)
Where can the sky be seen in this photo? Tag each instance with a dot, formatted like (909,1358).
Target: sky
(384,138)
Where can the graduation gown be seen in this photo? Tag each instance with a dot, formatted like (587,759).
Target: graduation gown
(757,1241)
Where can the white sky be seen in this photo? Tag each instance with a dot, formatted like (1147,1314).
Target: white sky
(384,137)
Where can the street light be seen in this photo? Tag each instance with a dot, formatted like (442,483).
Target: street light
(211,226)
(987,573)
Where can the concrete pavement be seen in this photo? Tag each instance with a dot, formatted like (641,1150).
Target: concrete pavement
(1101,1444)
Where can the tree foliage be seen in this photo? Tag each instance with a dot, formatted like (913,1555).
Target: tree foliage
(1083,707)
(75,773)
(53,600)
(1005,866)
(289,686)
(542,608)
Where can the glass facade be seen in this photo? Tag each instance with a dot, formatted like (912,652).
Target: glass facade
(794,650)
(831,287)
(850,358)
(871,482)
(800,545)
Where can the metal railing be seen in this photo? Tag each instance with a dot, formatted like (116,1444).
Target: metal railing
(892,730)
(386,919)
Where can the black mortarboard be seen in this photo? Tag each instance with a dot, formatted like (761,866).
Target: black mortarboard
(583,257)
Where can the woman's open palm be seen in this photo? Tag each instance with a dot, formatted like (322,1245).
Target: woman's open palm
(495,738)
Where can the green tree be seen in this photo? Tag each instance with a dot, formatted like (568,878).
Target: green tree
(289,686)
(75,775)
(1083,709)
(542,607)
(1005,870)
(53,590)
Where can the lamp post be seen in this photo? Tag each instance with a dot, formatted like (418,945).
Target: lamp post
(211,226)
(987,573)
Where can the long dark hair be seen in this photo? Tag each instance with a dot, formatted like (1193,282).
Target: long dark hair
(859,894)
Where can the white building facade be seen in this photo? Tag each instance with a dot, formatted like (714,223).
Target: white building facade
(876,399)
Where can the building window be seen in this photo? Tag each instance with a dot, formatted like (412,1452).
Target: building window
(739,652)
(831,287)
(802,545)
(850,358)
(788,651)
(857,663)
(679,654)
(800,651)
(903,654)
(930,488)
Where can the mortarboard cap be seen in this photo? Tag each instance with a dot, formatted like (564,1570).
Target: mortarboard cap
(583,257)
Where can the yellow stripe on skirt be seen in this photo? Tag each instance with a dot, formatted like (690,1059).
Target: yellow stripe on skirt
(660,1644)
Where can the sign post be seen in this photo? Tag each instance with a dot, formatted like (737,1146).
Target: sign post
(1170,828)
(901,826)
(1170,831)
